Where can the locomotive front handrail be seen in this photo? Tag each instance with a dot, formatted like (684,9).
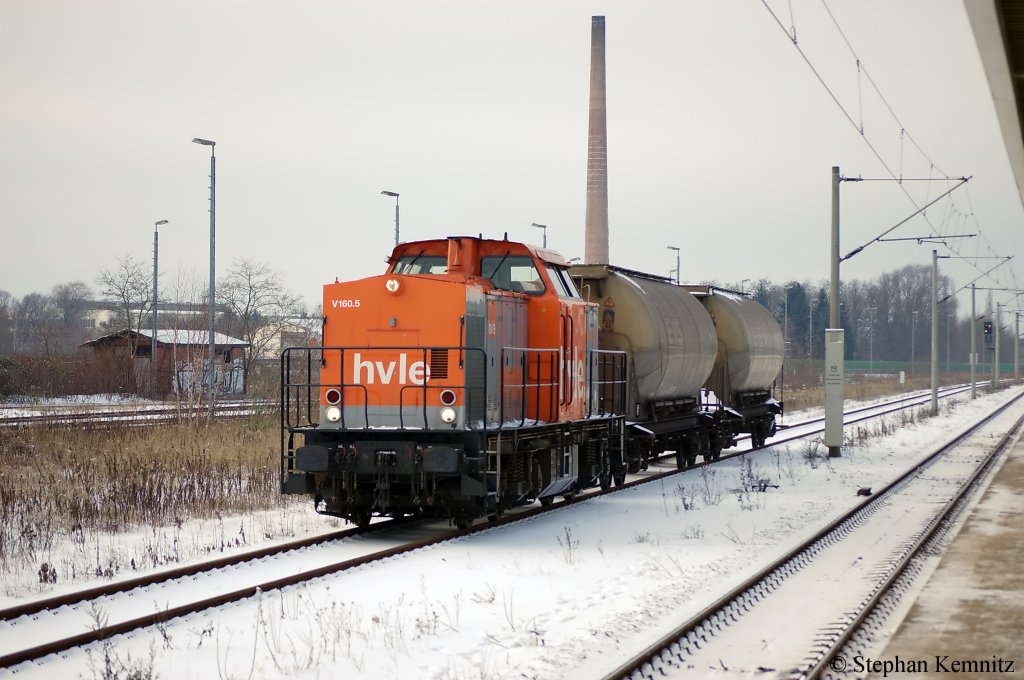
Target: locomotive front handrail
(293,409)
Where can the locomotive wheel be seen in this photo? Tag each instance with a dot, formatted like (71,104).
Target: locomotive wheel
(680,459)
(463,522)
(361,518)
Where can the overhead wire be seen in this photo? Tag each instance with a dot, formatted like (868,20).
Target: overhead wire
(904,133)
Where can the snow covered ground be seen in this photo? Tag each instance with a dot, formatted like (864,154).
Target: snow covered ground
(566,594)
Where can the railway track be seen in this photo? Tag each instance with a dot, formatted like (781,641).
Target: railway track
(44,621)
(138,414)
(797,593)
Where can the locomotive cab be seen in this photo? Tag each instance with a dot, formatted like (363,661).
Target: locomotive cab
(458,383)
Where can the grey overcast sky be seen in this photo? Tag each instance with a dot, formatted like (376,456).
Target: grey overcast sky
(721,138)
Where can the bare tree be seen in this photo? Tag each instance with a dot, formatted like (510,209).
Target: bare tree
(72,301)
(37,325)
(258,306)
(128,284)
(7,303)
(183,319)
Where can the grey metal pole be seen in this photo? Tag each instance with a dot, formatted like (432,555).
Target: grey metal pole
(152,342)
(935,332)
(1016,347)
(913,331)
(785,322)
(213,287)
(833,302)
(213,279)
(947,342)
(871,340)
(974,349)
(995,363)
(676,248)
(544,233)
(394,195)
(810,330)
(833,299)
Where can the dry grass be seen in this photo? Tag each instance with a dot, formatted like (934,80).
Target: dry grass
(63,484)
(804,388)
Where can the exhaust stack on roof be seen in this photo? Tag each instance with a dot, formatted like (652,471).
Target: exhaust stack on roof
(596,235)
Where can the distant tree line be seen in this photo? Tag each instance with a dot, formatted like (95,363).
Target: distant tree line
(887,319)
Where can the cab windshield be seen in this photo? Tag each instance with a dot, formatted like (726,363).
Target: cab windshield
(421,264)
(516,273)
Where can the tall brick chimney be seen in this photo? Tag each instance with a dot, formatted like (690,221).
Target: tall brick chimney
(596,236)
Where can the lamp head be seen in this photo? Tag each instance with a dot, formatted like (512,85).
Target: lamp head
(204,142)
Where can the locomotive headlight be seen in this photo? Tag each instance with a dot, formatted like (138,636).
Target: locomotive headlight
(392,285)
(333,414)
(448,414)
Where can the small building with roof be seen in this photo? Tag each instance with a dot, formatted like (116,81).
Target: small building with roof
(182,358)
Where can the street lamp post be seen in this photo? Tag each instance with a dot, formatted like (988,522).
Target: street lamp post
(785,318)
(974,349)
(677,262)
(543,228)
(871,339)
(395,196)
(213,286)
(152,343)
(949,315)
(913,331)
(810,330)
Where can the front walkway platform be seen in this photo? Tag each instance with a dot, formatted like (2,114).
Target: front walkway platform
(972,607)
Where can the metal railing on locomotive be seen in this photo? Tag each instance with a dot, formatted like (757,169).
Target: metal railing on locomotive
(300,391)
(605,381)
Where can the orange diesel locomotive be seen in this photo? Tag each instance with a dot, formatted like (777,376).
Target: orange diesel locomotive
(465,380)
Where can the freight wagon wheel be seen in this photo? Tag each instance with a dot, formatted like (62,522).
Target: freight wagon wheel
(605,480)
(680,459)
(619,479)
(546,500)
